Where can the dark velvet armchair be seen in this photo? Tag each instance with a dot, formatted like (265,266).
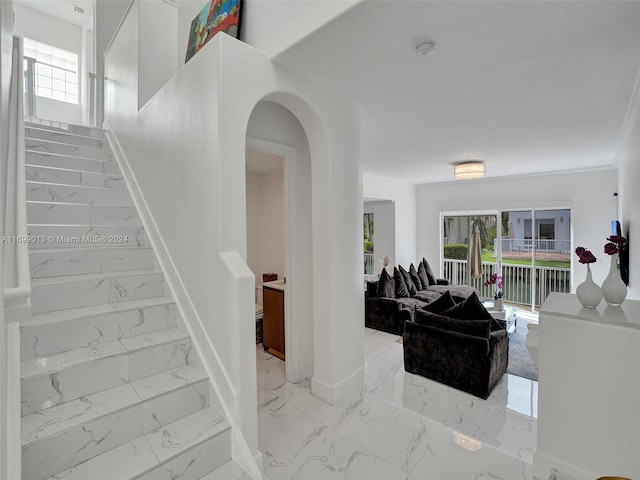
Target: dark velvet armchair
(470,355)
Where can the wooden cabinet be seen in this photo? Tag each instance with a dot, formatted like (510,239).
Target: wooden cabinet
(273,326)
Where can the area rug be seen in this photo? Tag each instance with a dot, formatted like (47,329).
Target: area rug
(520,361)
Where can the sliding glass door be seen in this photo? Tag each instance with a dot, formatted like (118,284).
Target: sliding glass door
(530,248)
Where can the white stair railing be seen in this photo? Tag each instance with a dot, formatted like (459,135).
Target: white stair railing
(96,100)
(16,277)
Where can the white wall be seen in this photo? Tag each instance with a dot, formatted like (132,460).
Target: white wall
(265,223)
(187,11)
(404,198)
(186,150)
(108,13)
(384,233)
(588,194)
(273,25)
(43,28)
(158,51)
(629,195)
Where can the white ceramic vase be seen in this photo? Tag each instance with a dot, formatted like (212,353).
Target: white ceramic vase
(613,288)
(588,292)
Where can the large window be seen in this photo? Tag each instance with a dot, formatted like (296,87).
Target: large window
(55,71)
(368,243)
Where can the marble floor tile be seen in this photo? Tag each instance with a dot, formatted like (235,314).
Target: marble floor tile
(228,471)
(393,433)
(455,456)
(405,421)
(286,434)
(340,459)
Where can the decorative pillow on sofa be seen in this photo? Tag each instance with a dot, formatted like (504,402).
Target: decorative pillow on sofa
(401,287)
(416,278)
(477,328)
(386,285)
(443,303)
(469,309)
(408,282)
(428,272)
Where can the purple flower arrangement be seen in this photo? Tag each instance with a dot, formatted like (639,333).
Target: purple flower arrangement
(585,256)
(616,243)
(495,279)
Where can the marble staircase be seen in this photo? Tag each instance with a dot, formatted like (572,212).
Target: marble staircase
(111,387)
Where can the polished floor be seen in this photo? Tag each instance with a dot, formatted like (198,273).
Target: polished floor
(401,426)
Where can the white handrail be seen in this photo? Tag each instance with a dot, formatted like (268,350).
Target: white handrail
(17,278)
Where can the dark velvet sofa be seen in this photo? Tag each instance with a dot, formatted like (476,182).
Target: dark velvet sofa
(388,310)
(469,351)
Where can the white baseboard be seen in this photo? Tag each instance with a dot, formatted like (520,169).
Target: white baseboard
(334,393)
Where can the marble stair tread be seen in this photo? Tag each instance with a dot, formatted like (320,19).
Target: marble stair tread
(62,137)
(53,363)
(228,471)
(186,432)
(141,457)
(52,421)
(89,277)
(61,193)
(46,146)
(94,310)
(59,236)
(74,204)
(55,420)
(95,165)
(159,337)
(46,365)
(61,127)
(41,212)
(67,169)
(66,176)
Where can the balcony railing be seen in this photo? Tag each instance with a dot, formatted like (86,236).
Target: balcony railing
(517,280)
(368,263)
(521,245)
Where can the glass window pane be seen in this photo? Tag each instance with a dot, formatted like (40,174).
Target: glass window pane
(58,74)
(72,98)
(43,81)
(72,88)
(58,85)
(71,77)
(43,69)
(43,92)
(56,95)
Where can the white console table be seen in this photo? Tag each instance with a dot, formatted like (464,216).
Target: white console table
(589,390)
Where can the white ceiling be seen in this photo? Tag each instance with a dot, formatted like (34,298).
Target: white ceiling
(528,87)
(61,9)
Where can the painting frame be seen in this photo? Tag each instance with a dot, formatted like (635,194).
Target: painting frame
(215,17)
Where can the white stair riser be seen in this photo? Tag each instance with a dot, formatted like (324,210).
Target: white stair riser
(44,391)
(155,413)
(97,260)
(95,375)
(162,410)
(59,296)
(71,163)
(46,192)
(71,150)
(65,214)
(65,128)
(159,358)
(59,137)
(44,458)
(74,236)
(50,339)
(196,462)
(70,177)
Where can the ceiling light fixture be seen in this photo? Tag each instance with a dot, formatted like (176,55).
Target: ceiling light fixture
(469,169)
(426,49)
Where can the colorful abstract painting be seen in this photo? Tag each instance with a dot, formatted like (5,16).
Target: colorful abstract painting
(217,16)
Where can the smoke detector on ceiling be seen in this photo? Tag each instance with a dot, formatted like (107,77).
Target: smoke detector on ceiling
(78,9)
(426,49)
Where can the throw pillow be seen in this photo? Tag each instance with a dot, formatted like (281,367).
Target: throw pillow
(444,302)
(372,289)
(401,287)
(430,275)
(416,278)
(422,273)
(386,286)
(477,328)
(408,282)
(469,309)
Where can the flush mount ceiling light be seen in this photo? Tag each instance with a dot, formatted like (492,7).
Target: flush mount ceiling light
(426,49)
(469,170)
